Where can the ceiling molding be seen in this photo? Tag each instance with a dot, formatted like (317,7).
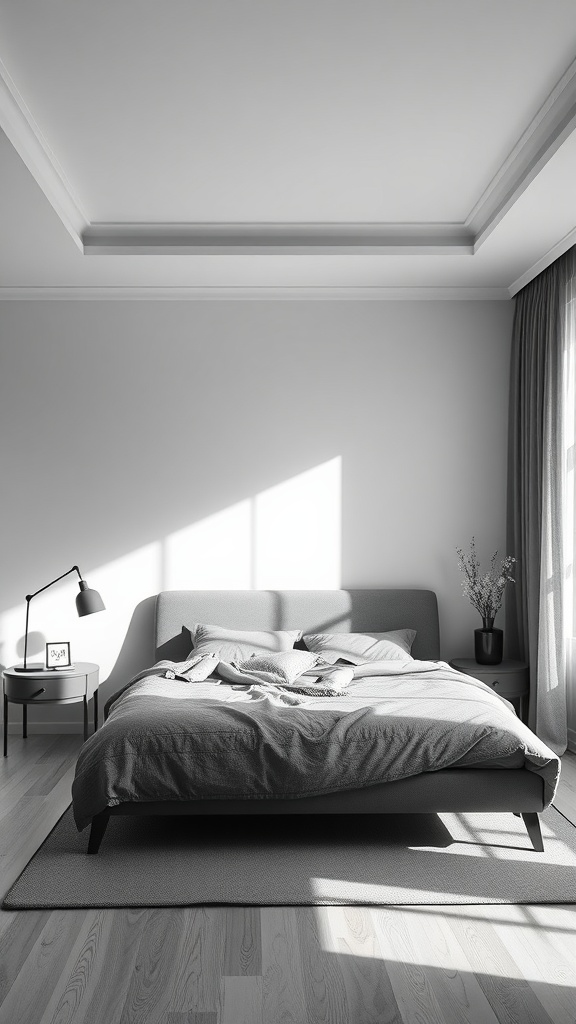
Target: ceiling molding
(551,126)
(242,293)
(553,254)
(17,122)
(277,239)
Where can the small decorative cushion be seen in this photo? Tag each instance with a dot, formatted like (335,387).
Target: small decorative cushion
(281,668)
(357,648)
(239,644)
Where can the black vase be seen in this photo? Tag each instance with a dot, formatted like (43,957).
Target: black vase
(488,643)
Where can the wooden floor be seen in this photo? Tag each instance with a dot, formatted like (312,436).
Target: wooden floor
(480,964)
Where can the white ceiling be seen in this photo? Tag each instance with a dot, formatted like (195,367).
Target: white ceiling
(376,147)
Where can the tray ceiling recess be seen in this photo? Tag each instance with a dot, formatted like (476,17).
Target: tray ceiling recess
(543,148)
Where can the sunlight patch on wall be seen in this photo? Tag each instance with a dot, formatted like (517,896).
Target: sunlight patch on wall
(213,554)
(287,537)
(297,531)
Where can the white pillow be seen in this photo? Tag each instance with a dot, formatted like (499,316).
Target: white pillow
(281,667)
(358,648)
(239,644)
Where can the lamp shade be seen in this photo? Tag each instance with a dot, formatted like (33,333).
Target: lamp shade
(88,601)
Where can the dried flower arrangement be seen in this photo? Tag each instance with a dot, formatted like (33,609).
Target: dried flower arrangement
(485,592)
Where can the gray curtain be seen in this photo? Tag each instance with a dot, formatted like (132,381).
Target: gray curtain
(537,481)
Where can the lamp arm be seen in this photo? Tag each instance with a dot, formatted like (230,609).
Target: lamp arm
(30,596)
(67,573)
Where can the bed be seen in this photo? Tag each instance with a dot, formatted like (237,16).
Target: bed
(521,781)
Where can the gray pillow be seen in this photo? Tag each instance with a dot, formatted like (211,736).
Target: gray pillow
(358,648)
(239,644)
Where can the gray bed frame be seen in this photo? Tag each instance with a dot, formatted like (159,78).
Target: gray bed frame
(453,789)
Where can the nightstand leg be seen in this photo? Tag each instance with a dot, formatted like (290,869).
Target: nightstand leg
(5,726)
(25,721)
(85,702)
(95,698)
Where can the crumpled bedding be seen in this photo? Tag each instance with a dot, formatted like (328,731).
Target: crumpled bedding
(182,738)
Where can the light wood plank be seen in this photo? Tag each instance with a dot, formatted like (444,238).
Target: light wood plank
(548,968)
(152,979)
(68,996)
(241,1000)
(412,981)
(99,993)
(198,969)
(559,925)
(25,768)
(242,944)
(324,988)
(14,777)
(369,991)
(26,753)
(26,831)
(499,976)
(54,768)
(38,978)
(18,934)
(282,986)
(20,787)
(192,1017)
(455,986)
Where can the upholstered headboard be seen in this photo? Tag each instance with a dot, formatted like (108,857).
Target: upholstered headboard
(314,611)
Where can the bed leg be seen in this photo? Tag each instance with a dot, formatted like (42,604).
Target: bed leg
(532,822)
(97,830)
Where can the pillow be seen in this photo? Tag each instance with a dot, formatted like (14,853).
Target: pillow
(281,667)
(238,644)
(360,647)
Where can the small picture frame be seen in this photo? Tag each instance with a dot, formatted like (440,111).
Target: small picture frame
(58,655)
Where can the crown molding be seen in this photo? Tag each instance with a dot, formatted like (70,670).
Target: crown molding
(551,126)
(553,254)
(17,122)
(243,293)
(276,239)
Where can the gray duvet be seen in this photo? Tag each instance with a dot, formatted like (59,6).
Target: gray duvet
(167,739)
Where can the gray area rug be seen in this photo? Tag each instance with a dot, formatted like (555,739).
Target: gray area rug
(366,860)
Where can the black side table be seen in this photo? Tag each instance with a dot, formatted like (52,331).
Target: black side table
(50,687)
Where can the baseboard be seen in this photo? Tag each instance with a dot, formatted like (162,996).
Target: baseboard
(572,740)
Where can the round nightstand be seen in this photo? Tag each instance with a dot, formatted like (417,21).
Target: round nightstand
(49,686)
(510,679)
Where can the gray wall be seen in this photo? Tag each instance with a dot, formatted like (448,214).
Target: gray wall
(124,423)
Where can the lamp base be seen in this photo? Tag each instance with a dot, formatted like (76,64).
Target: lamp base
(38,666)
